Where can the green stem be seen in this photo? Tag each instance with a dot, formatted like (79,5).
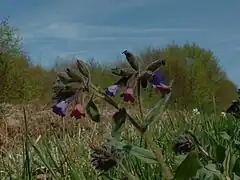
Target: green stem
(139,99)
(147,136)
(167,175)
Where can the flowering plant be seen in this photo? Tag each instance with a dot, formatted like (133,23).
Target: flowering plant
(76,87)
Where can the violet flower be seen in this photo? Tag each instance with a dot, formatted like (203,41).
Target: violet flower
(158,83)
(112,90)
(60,108)
(157,78)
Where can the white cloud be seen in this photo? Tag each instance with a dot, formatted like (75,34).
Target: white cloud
(80,31)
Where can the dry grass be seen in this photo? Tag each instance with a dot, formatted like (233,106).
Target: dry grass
(41,122)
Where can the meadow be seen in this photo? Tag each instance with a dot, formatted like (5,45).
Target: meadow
(152,132)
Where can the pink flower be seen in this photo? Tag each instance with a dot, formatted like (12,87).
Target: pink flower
(164,89)
(128,95)
(158,83)
(78,111)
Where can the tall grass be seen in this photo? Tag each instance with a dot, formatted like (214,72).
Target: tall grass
(67,156)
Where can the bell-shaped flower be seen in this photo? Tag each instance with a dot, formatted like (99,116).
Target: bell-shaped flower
(78,111)
(60,108)
(157,78)
(112,90)
(128,95)
(158,83)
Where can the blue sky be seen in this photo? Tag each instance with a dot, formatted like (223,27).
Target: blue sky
(104,28)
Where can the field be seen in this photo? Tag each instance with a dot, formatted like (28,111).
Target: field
(167,126)
(37,144)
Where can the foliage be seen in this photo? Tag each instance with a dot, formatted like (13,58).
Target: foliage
(155,143)
(199,80)
(195,162)
(20,79)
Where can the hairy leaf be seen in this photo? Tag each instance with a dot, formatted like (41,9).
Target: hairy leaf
(75,77)
(144,155)
(83,68)
(93,111)
(118,121)
(155,65)
(189,167)
(132,60)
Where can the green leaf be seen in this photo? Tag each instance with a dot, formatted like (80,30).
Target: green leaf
(228,163)
(209,172)
(220,153)
(122,82)
(75,77)
(142,154)
(157,110)
(82,68)
(225,135)
(93,111)
(144,77)
(76,175)
(236,177)
(64,78)
(132,60)
(155,65)
(122,72)
(236,167)
(189,167)
(118,121)
(237,144)
(178,160)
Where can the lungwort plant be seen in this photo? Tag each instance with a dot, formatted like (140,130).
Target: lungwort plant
(74,90)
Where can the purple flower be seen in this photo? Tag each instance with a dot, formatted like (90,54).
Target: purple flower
(60,108)
(157,78)
(112,90)
(158,83)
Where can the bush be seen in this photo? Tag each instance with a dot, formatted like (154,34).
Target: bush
(20,79)
(199,80)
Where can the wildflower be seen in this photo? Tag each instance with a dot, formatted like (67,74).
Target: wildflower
(112,90)
(195,111)
(102,157)
(78,111)
(60,108)
(158,83)
(183,143)
(128,95)
(223,114)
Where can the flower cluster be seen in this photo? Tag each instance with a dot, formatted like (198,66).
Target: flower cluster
(223,114)
(103,157)
(61,108)
(195,112)
(69,88)
(129,79)
(183,143)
